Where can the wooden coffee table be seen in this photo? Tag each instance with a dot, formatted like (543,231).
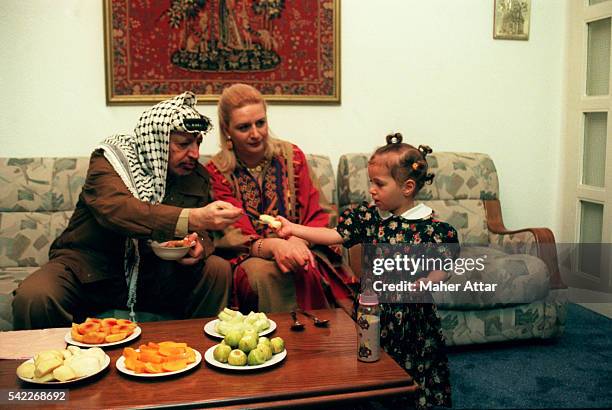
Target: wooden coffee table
(321,367)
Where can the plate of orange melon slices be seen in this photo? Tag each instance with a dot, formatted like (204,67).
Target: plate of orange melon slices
(158,359)
(102,332)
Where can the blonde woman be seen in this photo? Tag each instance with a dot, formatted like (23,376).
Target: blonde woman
(265,175)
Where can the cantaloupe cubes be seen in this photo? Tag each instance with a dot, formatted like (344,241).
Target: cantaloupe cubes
(159,357)
(97,331)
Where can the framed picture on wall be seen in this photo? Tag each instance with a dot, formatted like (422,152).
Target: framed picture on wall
(512,19)
(289,50)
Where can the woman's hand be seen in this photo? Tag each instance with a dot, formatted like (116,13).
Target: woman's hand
(196,253)
(291,255)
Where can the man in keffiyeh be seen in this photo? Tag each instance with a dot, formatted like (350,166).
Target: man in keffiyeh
(141,187)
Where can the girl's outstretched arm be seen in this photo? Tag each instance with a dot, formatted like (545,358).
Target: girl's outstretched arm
(319,236)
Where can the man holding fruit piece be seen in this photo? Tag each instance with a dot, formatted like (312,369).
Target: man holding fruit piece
(147,186)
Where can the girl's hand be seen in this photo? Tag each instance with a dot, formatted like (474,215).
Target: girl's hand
(287,228)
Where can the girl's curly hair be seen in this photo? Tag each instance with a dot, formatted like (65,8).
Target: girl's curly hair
(407,163)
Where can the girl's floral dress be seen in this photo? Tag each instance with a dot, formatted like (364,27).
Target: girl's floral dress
(410,332)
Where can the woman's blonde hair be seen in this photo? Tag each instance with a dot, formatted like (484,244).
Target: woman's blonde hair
(234,97)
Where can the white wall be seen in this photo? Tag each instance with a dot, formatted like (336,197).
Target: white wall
(429,69)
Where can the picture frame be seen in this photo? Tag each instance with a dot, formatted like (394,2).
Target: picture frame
(288,50)
(512,19)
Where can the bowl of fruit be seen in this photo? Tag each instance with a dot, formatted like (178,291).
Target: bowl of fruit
(173,250)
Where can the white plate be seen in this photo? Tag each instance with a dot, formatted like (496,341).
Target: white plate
(104,366)
(137,331)
(277,358)
(120,364)
(210,327)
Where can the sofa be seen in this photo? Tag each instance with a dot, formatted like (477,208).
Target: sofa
(40,194)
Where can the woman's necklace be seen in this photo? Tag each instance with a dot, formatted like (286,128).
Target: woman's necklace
(257,169)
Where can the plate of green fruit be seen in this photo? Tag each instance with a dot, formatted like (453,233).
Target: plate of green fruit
(234,321)
(250,352)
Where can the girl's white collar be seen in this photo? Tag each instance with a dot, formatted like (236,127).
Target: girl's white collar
(420,211)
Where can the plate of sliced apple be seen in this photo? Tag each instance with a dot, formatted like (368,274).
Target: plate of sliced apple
(70,365)
(234,321)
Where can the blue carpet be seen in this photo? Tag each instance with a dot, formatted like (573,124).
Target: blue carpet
(573,371)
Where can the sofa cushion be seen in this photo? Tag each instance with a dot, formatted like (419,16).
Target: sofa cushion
(467,216)
(541,319)
(41,184)
(322,175)
(519,278)
(25,237)
(353,181)
(459,176)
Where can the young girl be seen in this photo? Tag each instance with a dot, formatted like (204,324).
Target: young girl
(410,332)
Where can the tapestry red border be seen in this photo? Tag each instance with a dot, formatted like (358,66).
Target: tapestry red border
(289,50)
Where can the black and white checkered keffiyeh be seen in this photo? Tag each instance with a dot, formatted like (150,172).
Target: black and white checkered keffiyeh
(141,160)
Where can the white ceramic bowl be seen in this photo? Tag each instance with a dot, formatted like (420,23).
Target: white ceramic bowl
(168,253)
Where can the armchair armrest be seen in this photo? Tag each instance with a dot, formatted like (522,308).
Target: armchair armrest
(535,241)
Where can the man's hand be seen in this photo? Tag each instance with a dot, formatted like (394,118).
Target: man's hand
(215,216)
(196,253)
(292,255)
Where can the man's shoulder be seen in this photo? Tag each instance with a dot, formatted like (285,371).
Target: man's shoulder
(97,156)
(99,165)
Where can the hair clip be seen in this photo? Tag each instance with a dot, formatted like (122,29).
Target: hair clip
(415,166)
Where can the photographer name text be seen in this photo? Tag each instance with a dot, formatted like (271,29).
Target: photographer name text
(406,286)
